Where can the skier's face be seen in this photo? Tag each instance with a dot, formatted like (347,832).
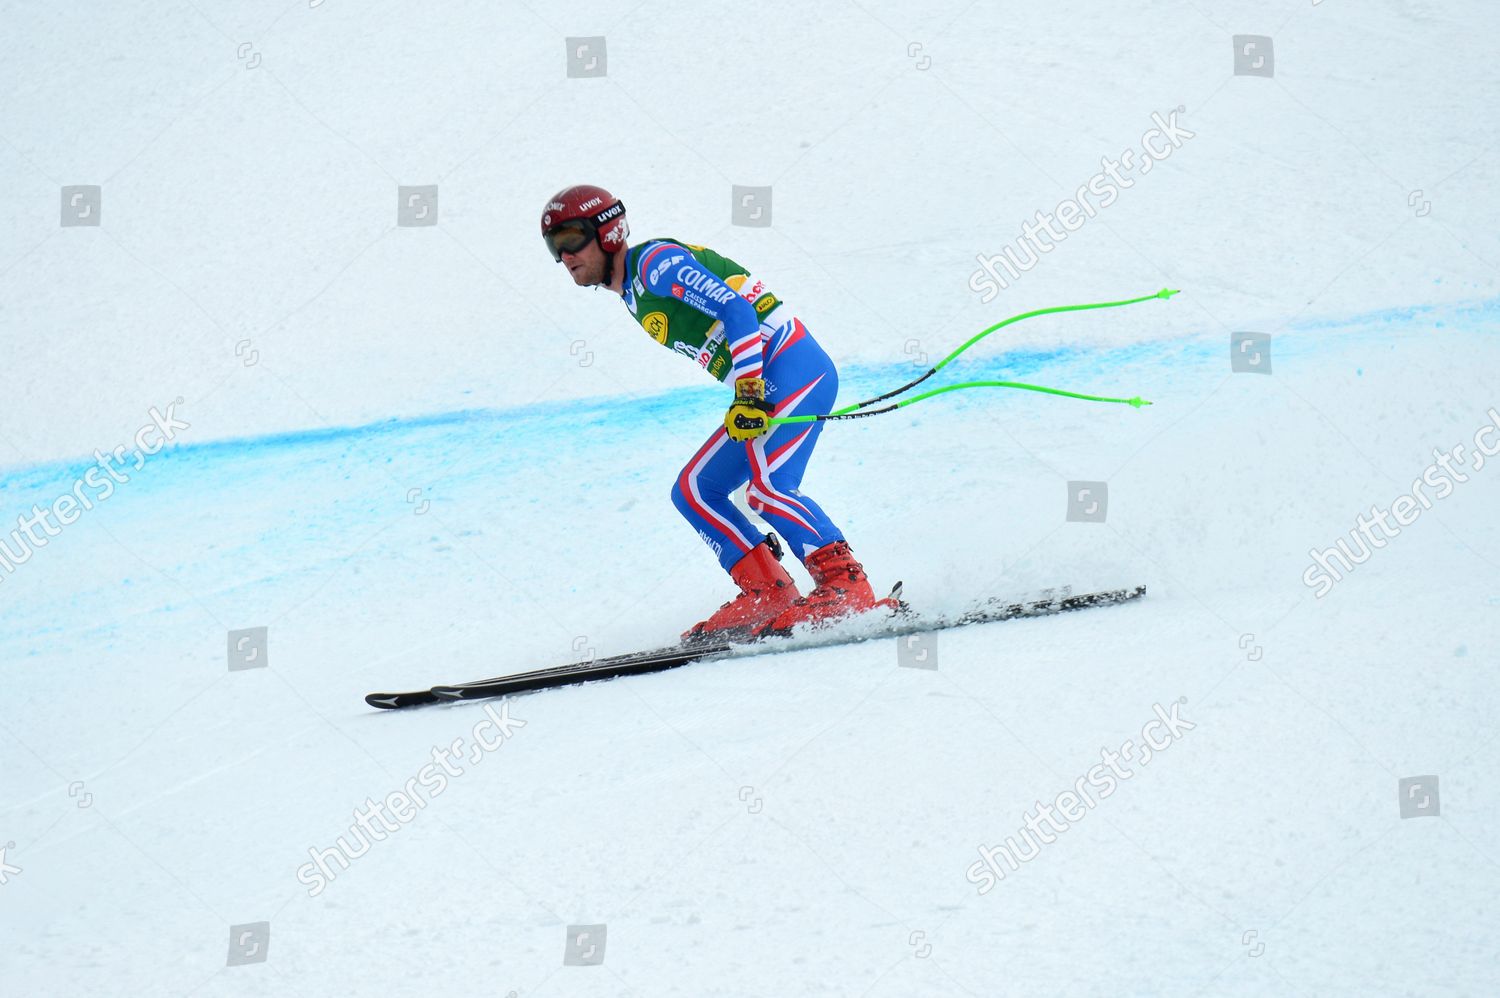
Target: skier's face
(587,265)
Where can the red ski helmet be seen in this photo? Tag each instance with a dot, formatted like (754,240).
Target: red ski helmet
(582,213)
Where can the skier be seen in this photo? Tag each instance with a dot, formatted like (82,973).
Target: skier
(705,306)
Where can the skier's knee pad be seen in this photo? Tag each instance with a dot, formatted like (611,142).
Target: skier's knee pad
(680,499)
(709,494)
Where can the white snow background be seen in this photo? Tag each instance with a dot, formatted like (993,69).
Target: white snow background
(420,455)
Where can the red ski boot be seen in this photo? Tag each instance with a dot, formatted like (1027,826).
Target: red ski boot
(841,590)
(765,591)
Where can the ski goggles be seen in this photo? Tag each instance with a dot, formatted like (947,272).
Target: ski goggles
(568,237)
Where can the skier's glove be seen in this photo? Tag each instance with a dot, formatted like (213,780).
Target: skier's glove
(749,416)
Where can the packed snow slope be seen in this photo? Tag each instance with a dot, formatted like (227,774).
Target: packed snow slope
(418,455)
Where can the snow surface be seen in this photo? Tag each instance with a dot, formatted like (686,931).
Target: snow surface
(420,455)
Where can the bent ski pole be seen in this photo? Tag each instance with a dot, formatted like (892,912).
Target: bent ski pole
(852,411)
(1135,402)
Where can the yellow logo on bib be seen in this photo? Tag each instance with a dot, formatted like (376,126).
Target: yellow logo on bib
(656,325)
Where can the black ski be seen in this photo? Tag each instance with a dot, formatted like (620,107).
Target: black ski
(673,656)
(660,659)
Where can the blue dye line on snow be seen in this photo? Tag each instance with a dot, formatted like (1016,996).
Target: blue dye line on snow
(1083,368)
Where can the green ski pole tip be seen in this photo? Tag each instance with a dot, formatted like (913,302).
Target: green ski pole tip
(1136,402)
(1166,293)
